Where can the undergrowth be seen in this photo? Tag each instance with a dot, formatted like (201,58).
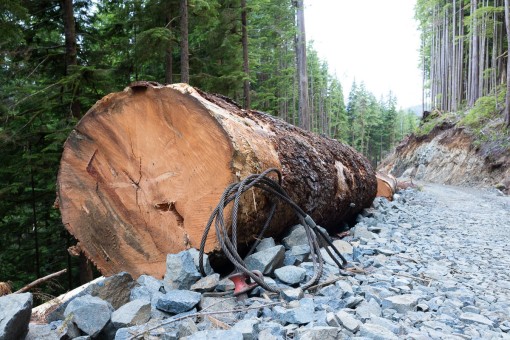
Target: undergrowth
(484,121)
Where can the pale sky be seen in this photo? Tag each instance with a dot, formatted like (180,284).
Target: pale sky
(373,41)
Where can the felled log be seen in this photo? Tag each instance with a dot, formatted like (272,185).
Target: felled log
(144,168)
(386,185)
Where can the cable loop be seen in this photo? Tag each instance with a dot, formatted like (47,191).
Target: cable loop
(273,189)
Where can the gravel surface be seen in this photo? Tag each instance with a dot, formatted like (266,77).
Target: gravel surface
(450,264)
(432,264)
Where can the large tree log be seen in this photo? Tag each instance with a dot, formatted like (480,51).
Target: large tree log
(143,170)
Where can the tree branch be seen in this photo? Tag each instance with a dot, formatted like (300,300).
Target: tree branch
(39,281)
(169,321)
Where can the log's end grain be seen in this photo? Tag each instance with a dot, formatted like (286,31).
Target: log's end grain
(139,175)
(386,185)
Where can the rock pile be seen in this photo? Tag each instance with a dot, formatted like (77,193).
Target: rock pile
(395,287)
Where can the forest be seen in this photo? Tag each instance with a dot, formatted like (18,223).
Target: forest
(57,58)
(464,56)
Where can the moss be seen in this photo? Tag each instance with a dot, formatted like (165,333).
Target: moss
(435,119)
(484,110)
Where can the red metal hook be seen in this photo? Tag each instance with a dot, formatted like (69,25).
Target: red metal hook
(241,286)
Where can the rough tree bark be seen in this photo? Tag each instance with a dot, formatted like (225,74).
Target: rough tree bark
(507,98)
(143,170)
(184,42)
(246,66)
(71,51)
(303,104)
(169,60)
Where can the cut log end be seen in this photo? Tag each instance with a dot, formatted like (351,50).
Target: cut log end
(386,185)
(147,168)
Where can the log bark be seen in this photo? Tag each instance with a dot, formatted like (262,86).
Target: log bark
(386,185)
(143,170)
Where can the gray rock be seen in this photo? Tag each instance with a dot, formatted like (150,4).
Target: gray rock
(422,307)
(472,318)
(302,314)
(216,335)
(265,243)
(178,301)
(470,309)
(132,313)
(55,330)
(152,284)
(89,313)
(331,291)
(401,303)
(269,330)
(388,324)
(206,284)
(246,328)
(225,285)
(367,309)
(213,304)
(289,259)
(353,301)
(376,332)
(115,289)
(181,272)
(159,331)
(343,247)
(266,261)
(290,274)
(292,294)
(332,320)
(347,321)
(384,251)
(300,252)
(361,231)
(15,312)
(328,304)
(318,333)
(186,327)
(295,236)
(345,288)
(328,259)
(140,293)
(196,259)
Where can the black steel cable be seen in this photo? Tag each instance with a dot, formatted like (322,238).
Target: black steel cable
(316,238)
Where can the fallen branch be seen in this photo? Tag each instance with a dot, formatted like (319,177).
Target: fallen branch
(407,258)
(424,280)
(199,314)
(39,281)
(326,283)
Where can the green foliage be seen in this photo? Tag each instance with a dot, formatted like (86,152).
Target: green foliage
(485,109)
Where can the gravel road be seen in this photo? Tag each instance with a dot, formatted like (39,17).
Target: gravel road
(446,251)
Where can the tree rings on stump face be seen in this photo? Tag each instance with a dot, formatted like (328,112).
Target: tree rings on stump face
(143,170)
(139,175)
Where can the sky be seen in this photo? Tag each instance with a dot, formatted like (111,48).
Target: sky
(373,41)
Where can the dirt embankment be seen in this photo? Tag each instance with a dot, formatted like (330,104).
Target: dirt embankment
(450,155)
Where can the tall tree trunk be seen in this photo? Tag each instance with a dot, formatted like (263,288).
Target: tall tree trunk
(304,105)
(34,220)
(246,66)
(184,42)
(169,60)
(475,76)
(507,98)
(71,58)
